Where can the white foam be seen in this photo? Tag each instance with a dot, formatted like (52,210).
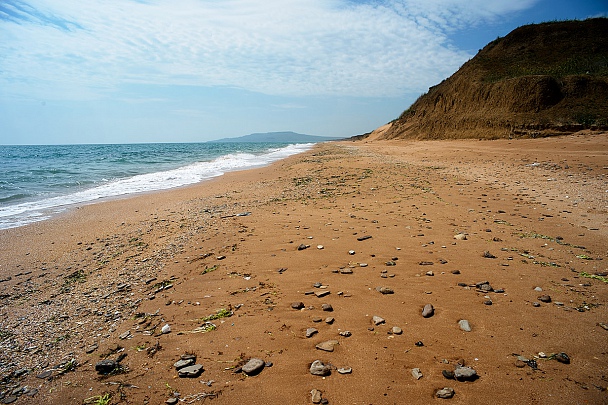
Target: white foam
(21,214)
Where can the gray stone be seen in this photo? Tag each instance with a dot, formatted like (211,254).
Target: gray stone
(327,307)
(445,393)
(544,298)
(310,332)
(315,396)
(323,293)
(377,320)
(183,363)
(327,346)
(320,369)
(297,305)
(385,290)
(172,401)
(396,330)
(465,373)
(464,325)
(345,370)
(416,373)
(191,371)
(428,311)
(329,320)
(254,366)
(105,366)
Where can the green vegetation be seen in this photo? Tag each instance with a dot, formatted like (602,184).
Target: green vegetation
(210,269)
(594,276)
(98,400)
(221,313)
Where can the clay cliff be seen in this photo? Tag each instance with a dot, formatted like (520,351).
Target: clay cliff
(539,80)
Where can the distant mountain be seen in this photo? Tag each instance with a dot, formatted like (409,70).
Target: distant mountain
(277,137)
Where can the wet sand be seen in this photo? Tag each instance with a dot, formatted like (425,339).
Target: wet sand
(105,278)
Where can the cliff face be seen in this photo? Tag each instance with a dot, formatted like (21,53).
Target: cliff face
(539,80)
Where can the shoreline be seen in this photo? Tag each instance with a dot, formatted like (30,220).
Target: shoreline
(83,280)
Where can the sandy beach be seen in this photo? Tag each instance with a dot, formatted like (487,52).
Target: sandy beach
(508,235)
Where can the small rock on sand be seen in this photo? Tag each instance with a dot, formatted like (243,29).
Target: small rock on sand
(416,373)
(445,393)
(396,330)
(297,305)
(320,369)
(191,371)
(377,320)
(310,332)
(315,396)
(327,346)
(385,290)
(254,366)
(428,311)
(464,325)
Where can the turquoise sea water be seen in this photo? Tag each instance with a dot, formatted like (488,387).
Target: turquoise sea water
(38,181)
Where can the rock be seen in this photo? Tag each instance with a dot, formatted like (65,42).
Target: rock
(445,393)
(488,255)
(430,273)
(297,305)
(327,346)
(345,370)
(377,320)
(327,307)
(448,374)
(191,371)
(165,329)
(416,373)
(544,298)
(254,366)
(536,304)
(464,325)
(91,348)
(562,358)
(320,369)
(428,311)
(321,294)
(487,302)
(346,271)
(362,238)
(346,333)
(460,236)
(465,373)
(419,343)
(310,332)
(455,271)
(183,363)
(351,252)
(396,330)
(320,247)
(303,247)
(385,290)
(538,289)
(315,396)
(47,374)
(519,364)
(9,399)
(317,319)
(484,286)
(172,401)
(329,320)
(105,366)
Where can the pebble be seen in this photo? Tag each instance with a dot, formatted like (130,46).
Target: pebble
(105,366)
(310,332)
(465,373)
(448,374)
(166,329)
(536,304)
(538,289)
(464,325)
(488,302)
(345,370)
(562,358)
(318,368)
(377,320)
(351,252)
(346,271)
(396,330)
(445,393)
(254,366)
(172,401)
(183,363)
(430,273)
(544,298)
(320,247)
(416,373)
(327,346)
(428,311)
(460,236)
(191,371)
(297,305)
(385,290)
(455,271)
(317,319)
(45,374)
(346,333)
(321,294)
(329,320)
(303,247)
(327,307)
(315,396)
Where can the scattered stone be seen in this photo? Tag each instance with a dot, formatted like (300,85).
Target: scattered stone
(362,238)
(346,333)
(320,369)
(315,396)
(190,371)
(428,311)
(544,298)
(105,366)
(303,247)
(464,325)
(430,273)
(321,294)
(165,329)
(327,307)
(346,271)
(48,373)
(445,393)
(125,335)
(183,363)
(396,330)
(329,320)
(536,304)
(320,247)
(351,252)
(416,373)
(91,348)
(519,364)
(488,255)
(254,366)
(460,236)
(385,290)
(345,370)
(484,286)
(310,332)
(539,289)
(327,346)
(317,319)
(487,302)
(465,374)
(419,343)
(425,263)
(562,358)
(448,374)
(172,401)
(9,399)
(297,305)
(377,320)
(455,271)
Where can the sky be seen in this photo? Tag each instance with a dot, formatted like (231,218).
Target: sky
(130,71)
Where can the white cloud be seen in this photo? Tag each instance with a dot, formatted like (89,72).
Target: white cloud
(286,47)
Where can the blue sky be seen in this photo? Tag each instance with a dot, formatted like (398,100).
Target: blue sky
(118,71)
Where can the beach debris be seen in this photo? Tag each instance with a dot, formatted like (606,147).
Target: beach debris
(464,325)
(445,393)
(428,311)
(416,373)
(253,366)
(318,368)
(327,346)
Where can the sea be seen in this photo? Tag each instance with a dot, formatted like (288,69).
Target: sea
(37,182)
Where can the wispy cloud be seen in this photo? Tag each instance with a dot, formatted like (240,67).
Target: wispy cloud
(294,47)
